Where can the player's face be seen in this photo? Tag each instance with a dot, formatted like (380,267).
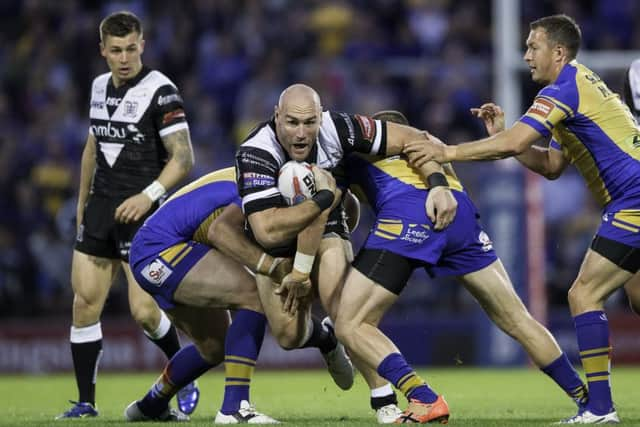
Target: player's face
(297,128)
(123,55)
(539,57)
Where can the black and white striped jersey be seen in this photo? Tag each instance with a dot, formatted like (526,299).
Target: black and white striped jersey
(260,156)
(128,123)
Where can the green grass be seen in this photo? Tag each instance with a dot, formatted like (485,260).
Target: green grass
(477,397)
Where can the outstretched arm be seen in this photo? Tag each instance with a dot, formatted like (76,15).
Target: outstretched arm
(547,162)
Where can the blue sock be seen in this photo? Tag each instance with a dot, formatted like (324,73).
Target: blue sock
(394,368)
(184,367)
(592,331)
(242,346)
(565,375)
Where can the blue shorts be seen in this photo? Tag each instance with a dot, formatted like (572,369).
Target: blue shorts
(160,267)
(622,226)
(402,227)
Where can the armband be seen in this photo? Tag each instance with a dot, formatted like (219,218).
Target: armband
(324,199)
(262,258)
(303,262)
(154,191)
(437,179)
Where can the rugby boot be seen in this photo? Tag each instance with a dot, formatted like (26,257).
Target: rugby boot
(79,410)
(338,362)
(133,413)
(247,414)
(585,416)
(421,412)
(388,414)
(188,397)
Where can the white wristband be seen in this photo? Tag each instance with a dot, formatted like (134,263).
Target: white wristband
(259,266)
(154,191)
(303,262)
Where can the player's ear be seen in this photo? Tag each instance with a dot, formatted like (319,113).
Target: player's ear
(559,53)
(141,46)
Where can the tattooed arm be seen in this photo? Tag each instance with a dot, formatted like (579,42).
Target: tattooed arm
(178,145)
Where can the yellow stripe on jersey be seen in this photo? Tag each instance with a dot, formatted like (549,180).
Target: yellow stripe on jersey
(625,226)
(390,228)
(398,168)
(631,216)
(227,174)
(384,235)
(169,254)
(200,235)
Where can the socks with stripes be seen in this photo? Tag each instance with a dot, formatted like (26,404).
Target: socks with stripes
(592,331)
(394,368)
(242,346)
(565,375)
(184,367)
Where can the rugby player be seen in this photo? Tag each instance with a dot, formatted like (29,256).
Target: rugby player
(301,131)
(138,147)
(173,259)
(404,238)
(586,124)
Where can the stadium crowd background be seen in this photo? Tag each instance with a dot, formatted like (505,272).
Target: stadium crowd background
(430,59)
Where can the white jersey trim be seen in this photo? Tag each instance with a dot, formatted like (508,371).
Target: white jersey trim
(378,140)
(264,194)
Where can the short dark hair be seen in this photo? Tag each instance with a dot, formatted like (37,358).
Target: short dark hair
(561,29)
(391,116)
(119,24)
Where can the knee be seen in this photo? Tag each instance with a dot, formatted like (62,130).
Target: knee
(146,315)
(577,295)
(288,339)
(345,330)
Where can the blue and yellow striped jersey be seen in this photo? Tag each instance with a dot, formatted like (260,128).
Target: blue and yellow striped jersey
(594,129)
(383,179)
(189,212)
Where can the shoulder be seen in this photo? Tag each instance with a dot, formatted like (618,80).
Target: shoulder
(100,81)
(262,143)
(157,83)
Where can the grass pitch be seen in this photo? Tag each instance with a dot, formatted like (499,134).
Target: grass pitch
(476,397)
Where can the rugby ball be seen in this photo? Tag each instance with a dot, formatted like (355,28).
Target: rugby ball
(296,182)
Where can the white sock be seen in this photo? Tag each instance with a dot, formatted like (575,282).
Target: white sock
(385,390)
(162,329)
(85,333)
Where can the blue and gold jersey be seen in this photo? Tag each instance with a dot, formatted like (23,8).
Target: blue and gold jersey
(385,179)
(595,131)
(188,213)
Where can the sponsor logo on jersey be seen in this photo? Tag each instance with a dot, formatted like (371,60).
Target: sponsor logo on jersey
(164,100)
(173,115)
(156,273)
(416,233)
(110,131)
(97,104)
(367,127)
(541,107)
(485,241)
(352,131)
(137,137)
(253,179)
(113,102)
(130,108)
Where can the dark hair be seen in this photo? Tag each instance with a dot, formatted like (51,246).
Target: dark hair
(391,116)
(561,29)
(119,24)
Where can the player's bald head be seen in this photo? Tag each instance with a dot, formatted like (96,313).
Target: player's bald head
(299,98)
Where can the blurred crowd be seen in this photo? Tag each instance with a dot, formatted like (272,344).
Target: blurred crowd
(430,59)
